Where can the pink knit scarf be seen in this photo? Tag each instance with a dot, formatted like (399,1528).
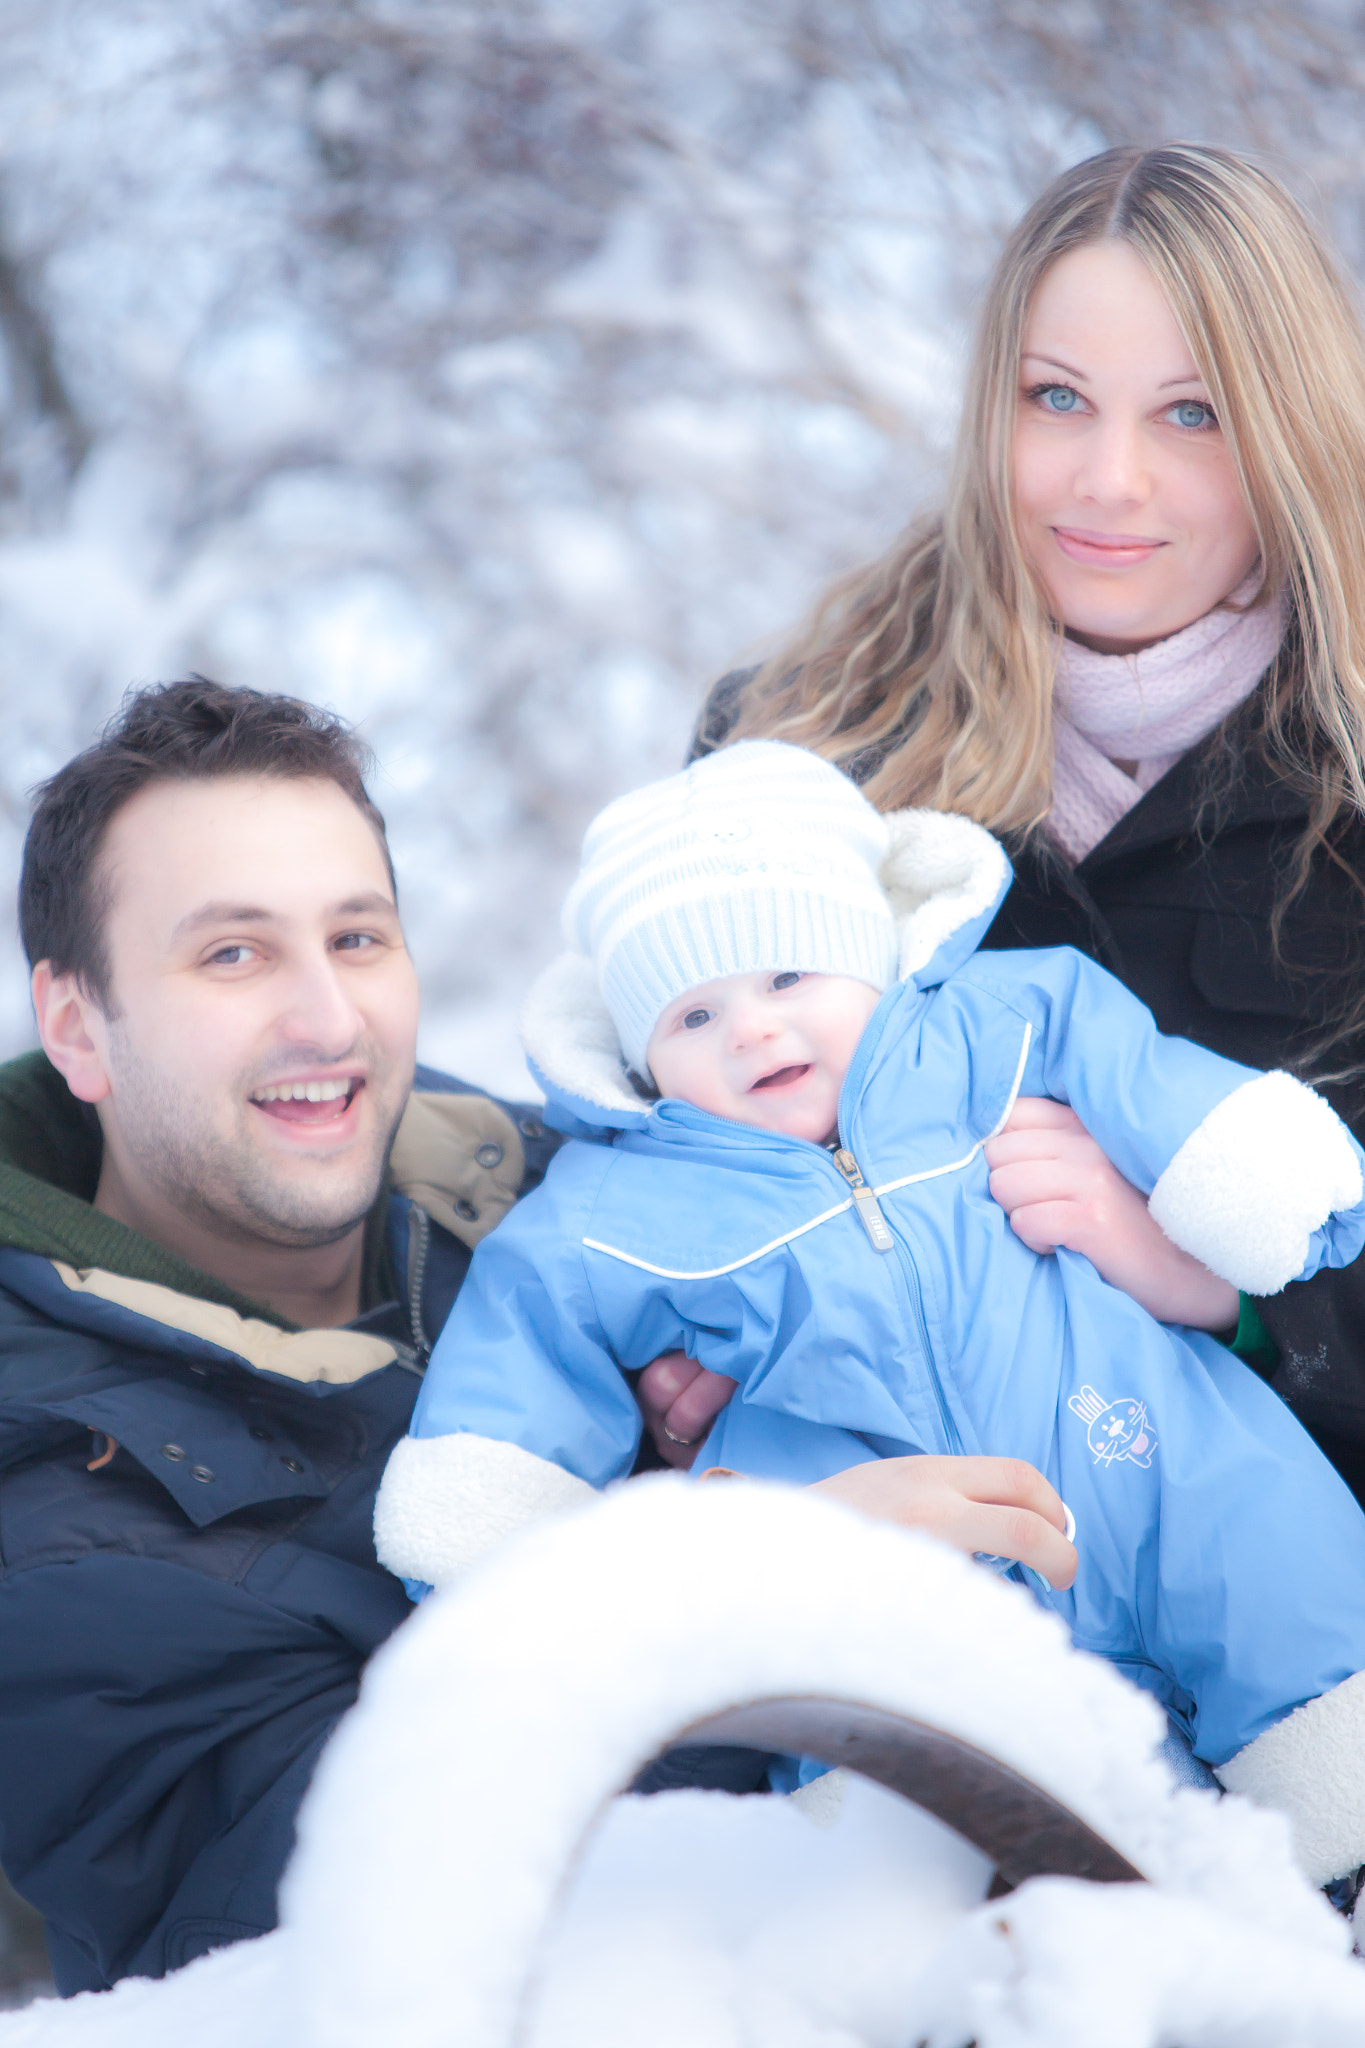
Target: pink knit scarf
(1147,708)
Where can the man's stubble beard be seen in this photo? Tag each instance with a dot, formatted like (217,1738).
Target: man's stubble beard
(220,1180)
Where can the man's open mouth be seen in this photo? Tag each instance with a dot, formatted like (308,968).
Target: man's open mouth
(783,1077)
(308,1102)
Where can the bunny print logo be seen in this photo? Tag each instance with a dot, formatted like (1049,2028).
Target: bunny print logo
(1115,1430)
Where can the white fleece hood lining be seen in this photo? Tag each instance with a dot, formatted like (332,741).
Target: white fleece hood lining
(940,873)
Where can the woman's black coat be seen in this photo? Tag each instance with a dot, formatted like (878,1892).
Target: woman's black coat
(1178,906)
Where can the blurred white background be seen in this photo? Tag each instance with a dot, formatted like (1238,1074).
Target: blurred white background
(501,373)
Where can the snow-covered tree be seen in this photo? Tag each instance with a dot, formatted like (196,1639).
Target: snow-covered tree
(500,373)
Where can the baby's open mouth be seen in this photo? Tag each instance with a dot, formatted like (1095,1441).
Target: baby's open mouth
(783,1077)
(308,1102)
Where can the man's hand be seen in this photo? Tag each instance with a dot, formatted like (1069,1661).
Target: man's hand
(679,1400)
(1058,1188)
(998,1505)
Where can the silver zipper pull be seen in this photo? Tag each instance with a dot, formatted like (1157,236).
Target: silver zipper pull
(866,1203)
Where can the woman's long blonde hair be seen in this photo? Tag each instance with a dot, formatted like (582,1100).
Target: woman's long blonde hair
(940,658)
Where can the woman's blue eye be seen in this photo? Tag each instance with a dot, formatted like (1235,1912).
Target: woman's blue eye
(694,1019)
(785,980)
(1057,397)
(1192,412)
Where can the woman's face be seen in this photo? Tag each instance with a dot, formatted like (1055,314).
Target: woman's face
(1128,503)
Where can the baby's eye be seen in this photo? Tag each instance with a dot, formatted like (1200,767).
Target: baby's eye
(1193,413)
(785,980)
(694,1020)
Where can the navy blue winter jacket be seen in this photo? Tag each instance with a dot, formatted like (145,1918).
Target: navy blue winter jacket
(188,1585)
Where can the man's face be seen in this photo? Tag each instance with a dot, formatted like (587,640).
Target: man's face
(262,1017)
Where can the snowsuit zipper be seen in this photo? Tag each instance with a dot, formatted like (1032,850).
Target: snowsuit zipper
(880,1236)
(868,1207)
(883,1239)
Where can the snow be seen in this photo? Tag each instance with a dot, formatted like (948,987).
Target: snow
(466,1873)
(765,1929)
(500,375)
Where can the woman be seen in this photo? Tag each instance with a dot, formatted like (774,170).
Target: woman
(1133,645)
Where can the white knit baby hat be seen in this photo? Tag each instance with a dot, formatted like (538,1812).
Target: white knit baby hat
(761,856)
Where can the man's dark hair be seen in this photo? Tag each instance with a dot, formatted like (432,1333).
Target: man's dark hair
(172,732)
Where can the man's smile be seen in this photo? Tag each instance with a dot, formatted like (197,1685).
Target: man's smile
(315,1103)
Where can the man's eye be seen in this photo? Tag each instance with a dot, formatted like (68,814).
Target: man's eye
(231,956)
(785,980)
(1193,413)
(354,942)
(694,1020)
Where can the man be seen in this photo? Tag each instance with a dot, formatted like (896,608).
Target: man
(230,1229)
(215,1307)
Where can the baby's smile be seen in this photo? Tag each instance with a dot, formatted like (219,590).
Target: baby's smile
(784,1077)
(770,1048)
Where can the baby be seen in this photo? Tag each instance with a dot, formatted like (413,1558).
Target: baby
(780,1056)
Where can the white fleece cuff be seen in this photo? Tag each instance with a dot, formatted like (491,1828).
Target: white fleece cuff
(1251,1184)
(445,1500)
(1311,1768)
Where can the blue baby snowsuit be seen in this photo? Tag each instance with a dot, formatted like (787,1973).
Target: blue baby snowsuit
(876,1302)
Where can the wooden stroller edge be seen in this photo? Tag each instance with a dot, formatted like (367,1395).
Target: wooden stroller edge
(1023,1829)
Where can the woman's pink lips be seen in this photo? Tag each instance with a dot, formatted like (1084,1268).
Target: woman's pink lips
(1115,550)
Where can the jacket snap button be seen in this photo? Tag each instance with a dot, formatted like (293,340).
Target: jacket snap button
(262,1436)
(172,1451)
(466,1209)
(489,1155)
(202,1472)
(291,1464)
(529,1128)
(201,1372)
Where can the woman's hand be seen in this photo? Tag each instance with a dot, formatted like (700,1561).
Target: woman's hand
(1057,1187)
(998,1505)
(679,1400)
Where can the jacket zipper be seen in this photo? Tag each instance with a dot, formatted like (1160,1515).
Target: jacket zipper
(419,1244)
(883,1240)
(945,1414)
(880,1235)
(868,1207)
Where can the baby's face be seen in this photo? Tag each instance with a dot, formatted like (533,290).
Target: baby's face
(768,1049)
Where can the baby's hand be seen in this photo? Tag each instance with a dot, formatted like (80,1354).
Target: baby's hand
(1058,1188)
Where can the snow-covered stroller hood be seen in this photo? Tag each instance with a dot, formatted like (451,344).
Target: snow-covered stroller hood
(945,878)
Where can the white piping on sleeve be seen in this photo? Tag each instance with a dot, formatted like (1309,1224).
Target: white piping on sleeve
(889,1187)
